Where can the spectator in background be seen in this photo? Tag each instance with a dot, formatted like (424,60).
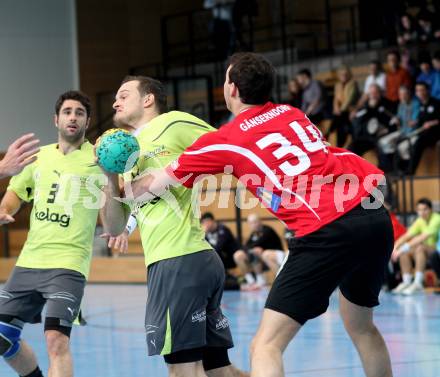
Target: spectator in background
(344,101)
(240,10)
(274,259)
(220,27)
(220,238)
(405,120)
(434,259)
(426,72)
(313,96)
(295,93)
(418,243)
(396,76)
(428,27)
(371,122)
(428,123)
(435,88)
(406,30)
(376,76)
(399,230)
(249,260)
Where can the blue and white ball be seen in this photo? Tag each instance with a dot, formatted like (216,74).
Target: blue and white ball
(117,151)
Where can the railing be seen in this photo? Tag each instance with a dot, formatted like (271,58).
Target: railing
(193,46)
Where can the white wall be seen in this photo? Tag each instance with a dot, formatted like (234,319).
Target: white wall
(38,61)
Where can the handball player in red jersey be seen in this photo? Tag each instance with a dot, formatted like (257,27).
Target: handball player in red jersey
(343,234)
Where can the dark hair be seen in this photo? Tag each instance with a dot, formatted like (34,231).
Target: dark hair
(425,201)
(423,83)
(377,63)
(305,72)
(253,75)
(207,216)
(74,95)
(148,85)
(436,55)
(395,53)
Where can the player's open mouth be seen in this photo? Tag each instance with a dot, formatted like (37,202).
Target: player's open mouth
(72,127)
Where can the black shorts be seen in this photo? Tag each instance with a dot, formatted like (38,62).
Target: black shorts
(352,252)
(183,306)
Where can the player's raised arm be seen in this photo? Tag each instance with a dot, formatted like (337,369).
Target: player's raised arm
(113,214)
(20,154)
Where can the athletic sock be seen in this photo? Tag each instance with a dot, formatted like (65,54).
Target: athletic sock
(407,278)
(36,373)
(419,278)
(249,278)
(261,280)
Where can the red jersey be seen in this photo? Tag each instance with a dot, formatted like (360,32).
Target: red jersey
(398,228)
(281,157)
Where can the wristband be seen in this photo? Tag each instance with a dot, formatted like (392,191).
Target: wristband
(131,224)
(405,248)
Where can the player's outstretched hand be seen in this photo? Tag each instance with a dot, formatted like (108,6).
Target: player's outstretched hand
(119,243)
(6,219)
(19,154)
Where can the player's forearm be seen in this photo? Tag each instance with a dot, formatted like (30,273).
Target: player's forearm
(418,240)
(2,171)
(151,186)
(406,237)
(10,203)
(113,215)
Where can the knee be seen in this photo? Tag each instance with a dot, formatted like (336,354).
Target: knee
(240,256)
(9,340)
(266,256)
(356,328)
(57,343)
(254,346)
(419,250)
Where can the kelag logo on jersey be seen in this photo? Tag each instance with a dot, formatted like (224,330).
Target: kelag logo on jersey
(63,220)
(270,199)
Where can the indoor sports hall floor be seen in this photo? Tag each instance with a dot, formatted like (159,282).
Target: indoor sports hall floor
(113,342)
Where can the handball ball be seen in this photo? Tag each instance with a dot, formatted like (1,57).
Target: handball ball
(117,151)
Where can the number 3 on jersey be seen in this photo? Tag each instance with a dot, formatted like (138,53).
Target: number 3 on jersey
(53,193)
(286,147)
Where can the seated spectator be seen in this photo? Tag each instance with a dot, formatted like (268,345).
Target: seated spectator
(249,260)
(429,29)
(220,238)
(396,76)
(426,72)
(406,30)
(295,93)
(371,122)
(393,268)
(435,88)
(313,96)
(400,140)
(418,243)
(434,259)
(274,259)
(376,76)
(344,101)
(428,124)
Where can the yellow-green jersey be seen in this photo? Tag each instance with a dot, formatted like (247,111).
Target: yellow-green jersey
(430,227)
(169,226)
(66,190)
